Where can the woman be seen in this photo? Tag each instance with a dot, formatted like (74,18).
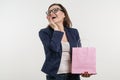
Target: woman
(58,39)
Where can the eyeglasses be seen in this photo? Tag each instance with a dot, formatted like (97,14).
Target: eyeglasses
(55,10)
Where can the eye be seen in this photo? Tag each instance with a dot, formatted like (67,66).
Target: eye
(55,10)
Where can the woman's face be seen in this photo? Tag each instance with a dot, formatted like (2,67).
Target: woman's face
(56,13)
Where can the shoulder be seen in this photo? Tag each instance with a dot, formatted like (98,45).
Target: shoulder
(45,30)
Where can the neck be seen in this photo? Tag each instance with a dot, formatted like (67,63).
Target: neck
(60,26)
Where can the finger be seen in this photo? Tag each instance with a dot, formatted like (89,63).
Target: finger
(50,20)
(48,17)
(88,75)
(82,75)
(85,74)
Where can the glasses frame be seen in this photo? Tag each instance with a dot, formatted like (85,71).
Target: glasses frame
(55,10)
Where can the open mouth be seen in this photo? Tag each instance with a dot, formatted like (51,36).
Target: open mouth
(53,17)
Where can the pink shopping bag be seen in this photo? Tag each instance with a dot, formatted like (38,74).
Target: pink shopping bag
(84,60)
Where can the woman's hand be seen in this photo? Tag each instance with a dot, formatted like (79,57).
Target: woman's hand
(52,23)
(86,74)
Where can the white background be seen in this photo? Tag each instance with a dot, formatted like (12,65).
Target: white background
(21,51)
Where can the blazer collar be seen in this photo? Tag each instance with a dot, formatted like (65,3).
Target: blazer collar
(68,34)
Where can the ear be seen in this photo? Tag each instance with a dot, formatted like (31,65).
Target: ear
(63,15)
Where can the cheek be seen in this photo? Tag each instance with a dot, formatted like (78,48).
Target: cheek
(61,15)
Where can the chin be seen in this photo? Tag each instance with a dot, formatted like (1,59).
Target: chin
(55,21)
(58,21)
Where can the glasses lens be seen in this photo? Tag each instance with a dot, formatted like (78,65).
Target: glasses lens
(53,10)
(48,12)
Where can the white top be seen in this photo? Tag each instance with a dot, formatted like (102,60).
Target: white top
(65,66)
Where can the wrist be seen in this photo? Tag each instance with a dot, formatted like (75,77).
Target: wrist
(56,29)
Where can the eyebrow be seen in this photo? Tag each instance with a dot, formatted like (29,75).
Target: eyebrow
(55,8)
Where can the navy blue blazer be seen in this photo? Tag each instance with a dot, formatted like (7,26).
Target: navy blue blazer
(51,41)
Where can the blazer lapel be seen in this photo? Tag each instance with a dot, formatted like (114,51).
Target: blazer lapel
(69,37)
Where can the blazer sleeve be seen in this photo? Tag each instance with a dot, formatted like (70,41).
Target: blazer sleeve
(78,38)
(52,43)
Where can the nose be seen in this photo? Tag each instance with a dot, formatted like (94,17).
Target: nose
(52,14)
